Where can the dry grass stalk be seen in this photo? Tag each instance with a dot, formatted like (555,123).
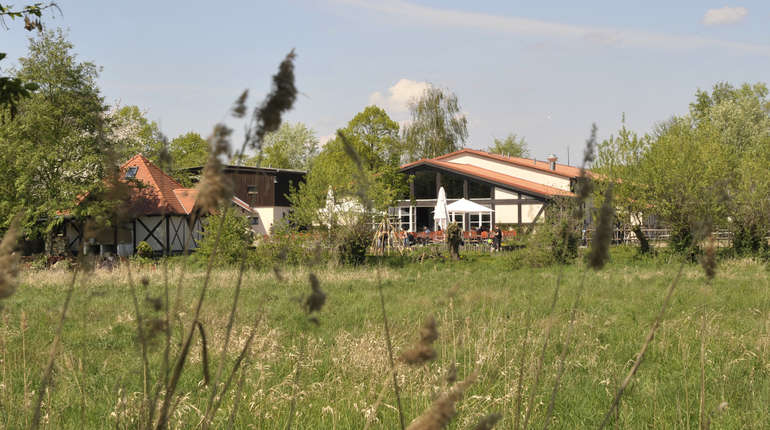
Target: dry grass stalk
(520,383)
(702,403)
(563,355)
(9,260)
(541,358)
(488,421)
(646,345)
(215,188)
(423,351)
(718,410)
(45,381)
(390,352)
(146,401)
(441,412)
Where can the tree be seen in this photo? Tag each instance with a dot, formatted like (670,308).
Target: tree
(54,151)
(292,146)
(133,133)
(374,138)
(437,125)
(13,89)
(512,145)
(188,150)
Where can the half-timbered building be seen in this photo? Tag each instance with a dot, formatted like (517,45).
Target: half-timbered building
(157,210)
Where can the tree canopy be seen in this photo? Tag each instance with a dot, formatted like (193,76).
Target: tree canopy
(437,125)
(55,150)
(292,146)
(511,145)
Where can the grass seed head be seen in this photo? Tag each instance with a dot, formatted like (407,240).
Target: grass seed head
(441,412)
(488,422)
(600,243)
(423,351)
(315,301)
(709,260)
(9,260)
(215,188)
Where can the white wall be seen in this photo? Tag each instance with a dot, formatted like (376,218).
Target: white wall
(506,214)
(269,216)
(533,175)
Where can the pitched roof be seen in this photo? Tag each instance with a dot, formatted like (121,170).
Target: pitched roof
(561,169)
(160,193)
(492,176)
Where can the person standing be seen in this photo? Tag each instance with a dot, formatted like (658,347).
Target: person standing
(498,238)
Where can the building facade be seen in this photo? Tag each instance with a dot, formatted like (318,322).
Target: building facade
(516,189)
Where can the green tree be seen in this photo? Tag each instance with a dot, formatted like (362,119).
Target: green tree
(133,133)
(374,137)
(511,145)
(188,150)
(54,151)
(437,125)
(292,146)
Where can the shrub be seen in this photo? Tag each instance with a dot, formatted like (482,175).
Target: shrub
(454,238)
(354,239)
(236,236)
(144,250)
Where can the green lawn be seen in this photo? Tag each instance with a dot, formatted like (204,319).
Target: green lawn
(481,306)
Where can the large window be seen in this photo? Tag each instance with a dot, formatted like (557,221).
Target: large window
(480,220)
(453,185)
(477,190)
(401,218)
(425,185)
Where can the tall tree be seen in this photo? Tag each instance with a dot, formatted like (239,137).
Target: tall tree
(437,125)
(511,145)
(374,137)
(54,150)
(292,146)
(133,133)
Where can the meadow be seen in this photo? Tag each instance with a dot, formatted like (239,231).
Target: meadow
(709,359)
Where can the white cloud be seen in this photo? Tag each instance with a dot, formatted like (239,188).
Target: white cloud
(399,95)
(725,15)
(323,140)
(456,19)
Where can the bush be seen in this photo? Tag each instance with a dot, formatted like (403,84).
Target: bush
(548,244)
(236,236)
(144,250)
(354,240)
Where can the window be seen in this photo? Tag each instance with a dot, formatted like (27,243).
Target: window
(401,217)
(453,185)
(477,190)
(251,189)
(425,185)
(254,220)
(131,172)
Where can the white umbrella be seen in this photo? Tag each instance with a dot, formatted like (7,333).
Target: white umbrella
(440,213)
(468,207)
(464,206)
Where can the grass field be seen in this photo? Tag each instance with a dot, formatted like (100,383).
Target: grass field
(481,306)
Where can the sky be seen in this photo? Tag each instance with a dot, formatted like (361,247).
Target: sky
(542,70)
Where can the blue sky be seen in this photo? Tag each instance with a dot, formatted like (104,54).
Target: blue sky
(543,70)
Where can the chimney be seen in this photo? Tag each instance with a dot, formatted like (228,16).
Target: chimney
(552,160)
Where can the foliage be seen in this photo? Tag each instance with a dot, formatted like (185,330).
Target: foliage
(511,145)
(437,125)
(700,168)
(144,250)
(374,137)
(133,133)
(236,237)
(292,146)
(54,151)
(454,238)
(353,242)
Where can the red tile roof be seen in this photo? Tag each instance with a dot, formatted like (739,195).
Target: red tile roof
(561,169)
(492,176)
(160,193)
